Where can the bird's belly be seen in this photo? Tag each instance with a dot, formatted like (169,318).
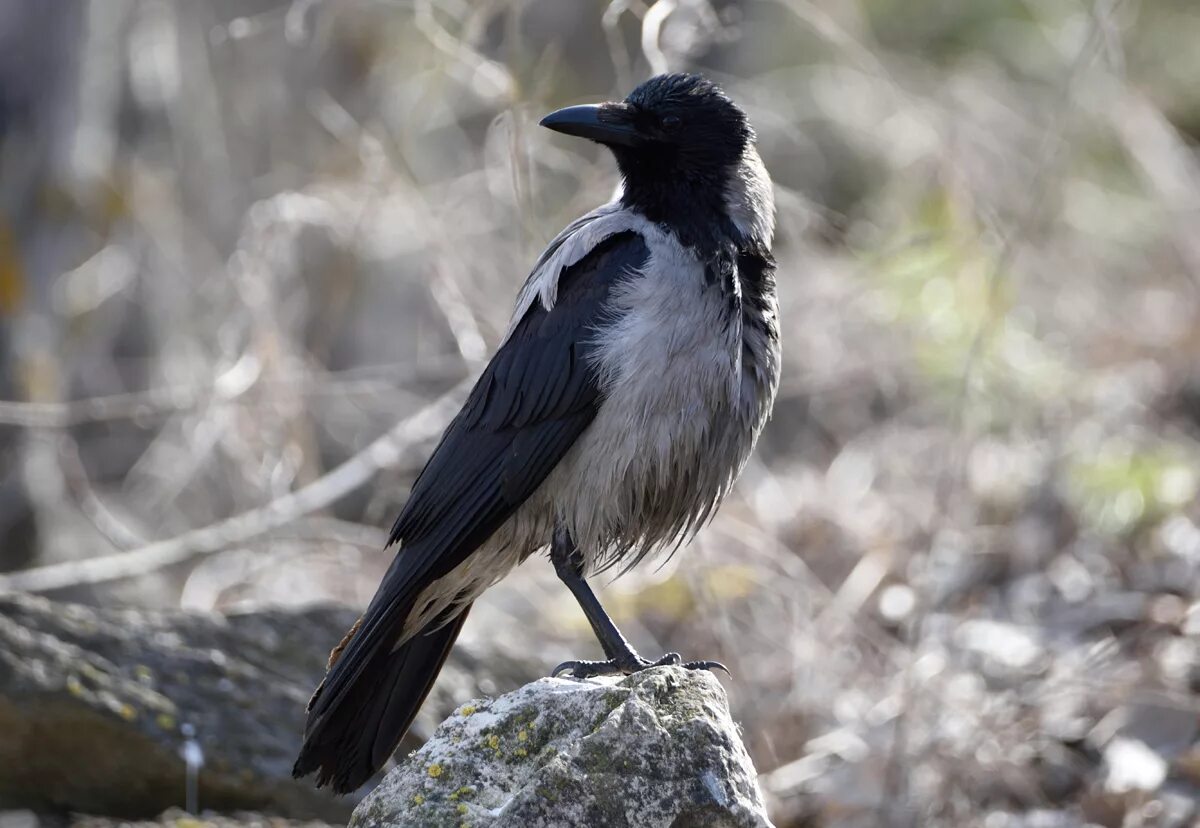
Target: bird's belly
(642,481)
(671,435)
(644,473)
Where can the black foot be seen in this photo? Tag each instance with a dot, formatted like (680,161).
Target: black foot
(634,664)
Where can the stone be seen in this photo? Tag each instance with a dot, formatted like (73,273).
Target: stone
(1132,765)
(96,708)
(102,709)
(654,749)
(1004,648)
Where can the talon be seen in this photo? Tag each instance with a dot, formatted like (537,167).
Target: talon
(586,669)
(634,664)
(707,665)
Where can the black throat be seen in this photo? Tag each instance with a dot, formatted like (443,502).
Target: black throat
(693,209)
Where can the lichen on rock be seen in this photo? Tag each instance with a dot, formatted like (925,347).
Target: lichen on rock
(654,749)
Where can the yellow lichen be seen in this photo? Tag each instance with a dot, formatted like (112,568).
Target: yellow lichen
(127,712)
(435,770)
(74,686)
(522,735)
(165,721)
(468,709)
(462,809)
(521,752)
(493,742)
(418,799)
(465,790)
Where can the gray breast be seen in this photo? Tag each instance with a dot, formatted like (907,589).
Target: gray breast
(680,416)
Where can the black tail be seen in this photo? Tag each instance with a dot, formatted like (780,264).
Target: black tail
(349,736)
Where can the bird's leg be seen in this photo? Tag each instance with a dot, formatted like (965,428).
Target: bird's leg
(622,658)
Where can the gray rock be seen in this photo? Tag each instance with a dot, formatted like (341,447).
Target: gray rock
(654,749)
(98,707)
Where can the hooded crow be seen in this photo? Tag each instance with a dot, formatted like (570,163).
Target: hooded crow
(639,367)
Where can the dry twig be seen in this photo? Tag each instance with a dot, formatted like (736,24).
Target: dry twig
(383,452)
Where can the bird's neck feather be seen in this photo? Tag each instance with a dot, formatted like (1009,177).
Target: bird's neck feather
(694,217)
(700,209)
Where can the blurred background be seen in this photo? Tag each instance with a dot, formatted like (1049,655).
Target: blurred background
(251,251)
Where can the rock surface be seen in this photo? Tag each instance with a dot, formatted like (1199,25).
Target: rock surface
(96,706)
(654,749)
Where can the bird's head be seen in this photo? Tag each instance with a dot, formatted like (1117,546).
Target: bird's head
(677,139)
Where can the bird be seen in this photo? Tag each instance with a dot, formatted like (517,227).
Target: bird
(639,367)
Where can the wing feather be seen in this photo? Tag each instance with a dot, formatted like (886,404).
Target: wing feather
(533,400)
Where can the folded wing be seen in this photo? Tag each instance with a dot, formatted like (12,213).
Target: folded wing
(533,400)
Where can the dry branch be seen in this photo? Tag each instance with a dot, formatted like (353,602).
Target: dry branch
(383,452)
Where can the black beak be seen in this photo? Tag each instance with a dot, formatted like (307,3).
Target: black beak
(607,123)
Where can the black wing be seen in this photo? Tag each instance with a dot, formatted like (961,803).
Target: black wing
(533,400)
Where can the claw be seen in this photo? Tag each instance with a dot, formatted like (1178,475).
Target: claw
(615,667)
(669,660)
(707,665)
(587,669)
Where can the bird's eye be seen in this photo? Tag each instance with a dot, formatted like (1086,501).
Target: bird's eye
(670,123)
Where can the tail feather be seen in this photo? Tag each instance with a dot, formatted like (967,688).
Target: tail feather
(348,738)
